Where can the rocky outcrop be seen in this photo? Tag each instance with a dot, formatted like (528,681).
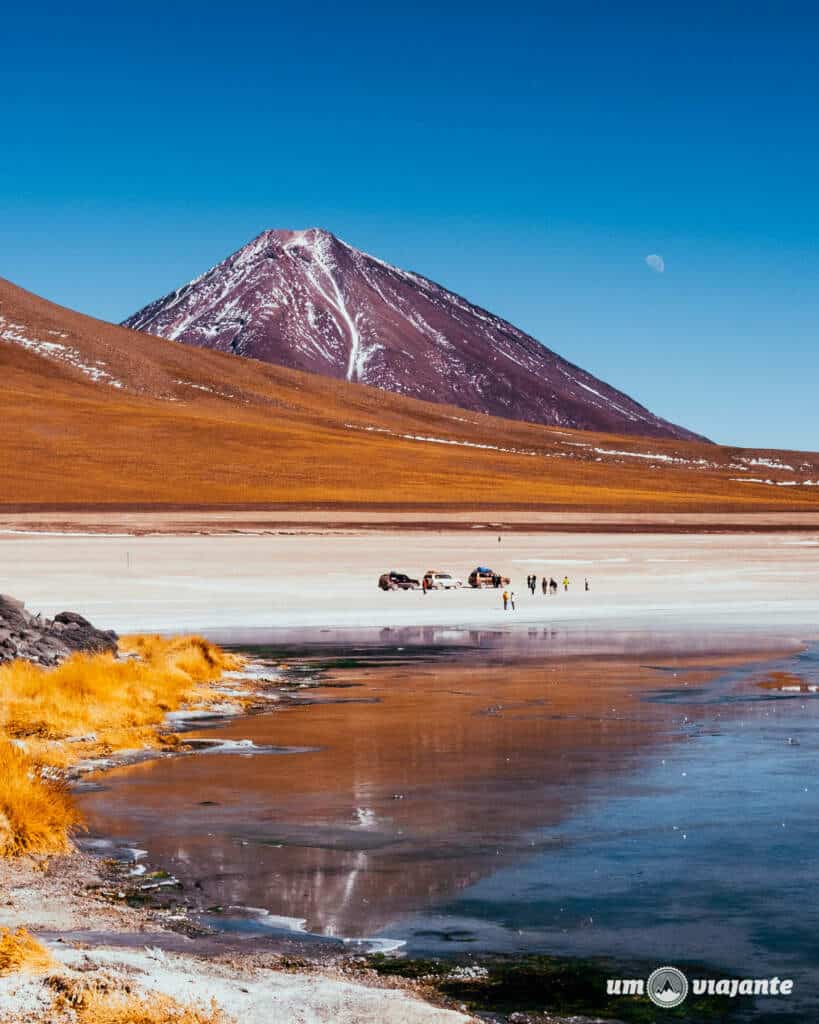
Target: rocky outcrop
(47,641)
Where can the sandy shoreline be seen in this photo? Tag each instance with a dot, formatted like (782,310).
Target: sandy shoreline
(113,946)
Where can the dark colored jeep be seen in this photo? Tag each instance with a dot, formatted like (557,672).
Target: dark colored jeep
(397,581)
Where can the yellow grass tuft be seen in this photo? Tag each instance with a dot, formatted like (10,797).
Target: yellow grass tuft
(37,816)
(128,1008)
(21,952)
(100,704)
(108,700)
(196,657)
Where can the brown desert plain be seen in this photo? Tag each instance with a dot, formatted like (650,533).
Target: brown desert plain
(98,416)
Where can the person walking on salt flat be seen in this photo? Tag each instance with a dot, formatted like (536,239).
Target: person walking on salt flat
(505,600)
(566,584)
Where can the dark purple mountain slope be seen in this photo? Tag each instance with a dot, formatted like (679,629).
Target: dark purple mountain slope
(307,300)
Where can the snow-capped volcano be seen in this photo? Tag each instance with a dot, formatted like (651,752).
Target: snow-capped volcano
(307,300)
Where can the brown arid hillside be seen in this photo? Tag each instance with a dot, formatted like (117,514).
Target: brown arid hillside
(96,415)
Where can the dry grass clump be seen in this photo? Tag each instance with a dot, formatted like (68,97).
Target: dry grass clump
(130,1008)
(108,700)
(200,660)
(37,816)
(88,705)
(106,999)
(21,952)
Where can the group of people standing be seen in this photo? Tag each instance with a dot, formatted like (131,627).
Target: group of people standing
(550,586)
(547,586)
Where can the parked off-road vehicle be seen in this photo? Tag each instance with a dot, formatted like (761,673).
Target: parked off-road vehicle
(486,577)
(397,581)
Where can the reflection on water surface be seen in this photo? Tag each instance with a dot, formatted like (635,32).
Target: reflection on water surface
(507,796)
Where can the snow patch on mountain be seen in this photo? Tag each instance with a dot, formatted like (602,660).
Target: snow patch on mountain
(774,483)
(13,334)
(767,462)
(425,439)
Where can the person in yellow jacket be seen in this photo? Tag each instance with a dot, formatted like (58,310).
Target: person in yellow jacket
(505,600)
(566,584)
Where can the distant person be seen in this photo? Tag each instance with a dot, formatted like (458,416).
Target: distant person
(505,600)
(587,584)
(566,584)
(424,586)
(545,586)
(498,538)
(496,581)
(512,599)
(533,585)
(553,585)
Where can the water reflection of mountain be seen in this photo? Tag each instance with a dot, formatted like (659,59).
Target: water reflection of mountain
(459,768)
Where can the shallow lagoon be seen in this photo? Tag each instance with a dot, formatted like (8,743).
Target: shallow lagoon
(504,793)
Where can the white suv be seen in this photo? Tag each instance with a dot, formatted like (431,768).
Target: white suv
(441,581)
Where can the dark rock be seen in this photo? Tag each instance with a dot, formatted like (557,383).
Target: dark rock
(72,619)
(38,639)
(80,635)
(13,614)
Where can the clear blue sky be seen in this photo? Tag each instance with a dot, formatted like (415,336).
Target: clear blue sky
(527,156)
